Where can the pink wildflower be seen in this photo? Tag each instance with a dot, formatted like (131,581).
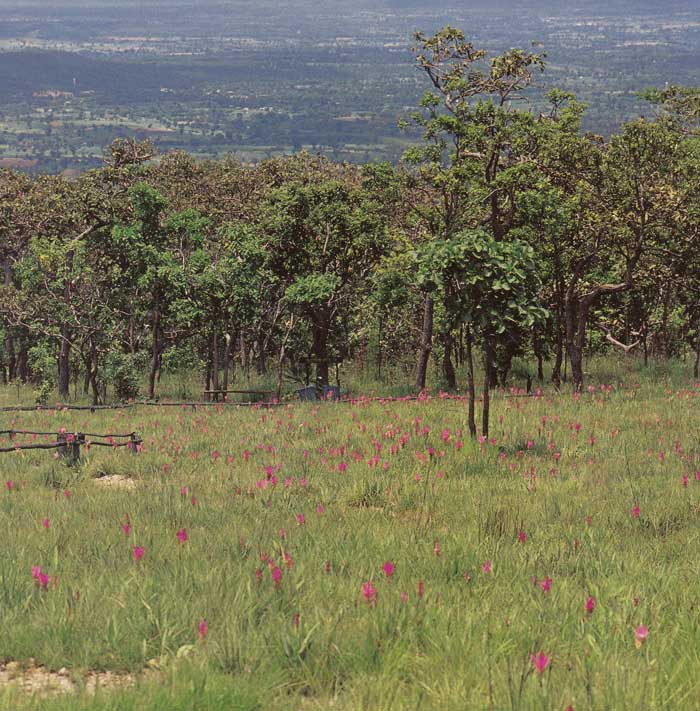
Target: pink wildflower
(369,592)
(202,629)
(640,635)
(138,552)
(388,569)
(541,661)
(590,605)
(182,535)
(486,567)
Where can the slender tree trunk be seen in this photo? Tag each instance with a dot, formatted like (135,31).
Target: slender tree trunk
(64,363)
(23,362)
(470,382)
(320,328)
(9,340)
(215,361)
(88,367)
(380,330)
(488,370)
(243,352)
(576,316)
(447,366)
(155,352)
(537,348)
(559,354)
(227,360)
(260,363)
(426,343)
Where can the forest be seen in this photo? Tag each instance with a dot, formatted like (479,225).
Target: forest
(506,235)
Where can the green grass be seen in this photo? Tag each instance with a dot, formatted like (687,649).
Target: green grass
(465,643)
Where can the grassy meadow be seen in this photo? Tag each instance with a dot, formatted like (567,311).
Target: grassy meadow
(362,555)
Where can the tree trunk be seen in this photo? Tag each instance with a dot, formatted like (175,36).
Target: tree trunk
(155,352)
(470,382)
(559,354)
(260,363)
(227,359)
(320,328)
(9,340)
(488,371)
(215,361)
(23,362)
(64,363)
(379,348)
(426,343)
(243,352)
(448,369)
(575,338)
(537,348)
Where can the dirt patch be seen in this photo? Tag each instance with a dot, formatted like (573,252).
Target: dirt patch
(34,679)
(116,481)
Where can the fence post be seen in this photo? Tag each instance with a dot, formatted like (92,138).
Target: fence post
(70,450)
(133,443)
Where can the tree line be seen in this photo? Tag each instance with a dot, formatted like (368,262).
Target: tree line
(505,232)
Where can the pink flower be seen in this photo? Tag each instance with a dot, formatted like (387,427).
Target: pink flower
(404,597)
(635,511)
(193,501)
(522,536)
(640,635)
(276,576)
(300,519)
(541,661)
(320,510)
(590,605)
(369,592)
(40,578)
(215,455)
(684,480)
(546,584)
(126,528)
(203,628)
(486,567)
(10,485)
(436,548)
(45,523)
(296,619)
(138,552)
(421,588)
(388,569)
(182,535)
(183,491)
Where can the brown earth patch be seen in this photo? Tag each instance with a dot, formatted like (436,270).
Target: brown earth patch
(34,679)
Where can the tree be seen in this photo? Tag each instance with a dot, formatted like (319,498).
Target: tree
(324,238)
(477,151)
(488,285)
